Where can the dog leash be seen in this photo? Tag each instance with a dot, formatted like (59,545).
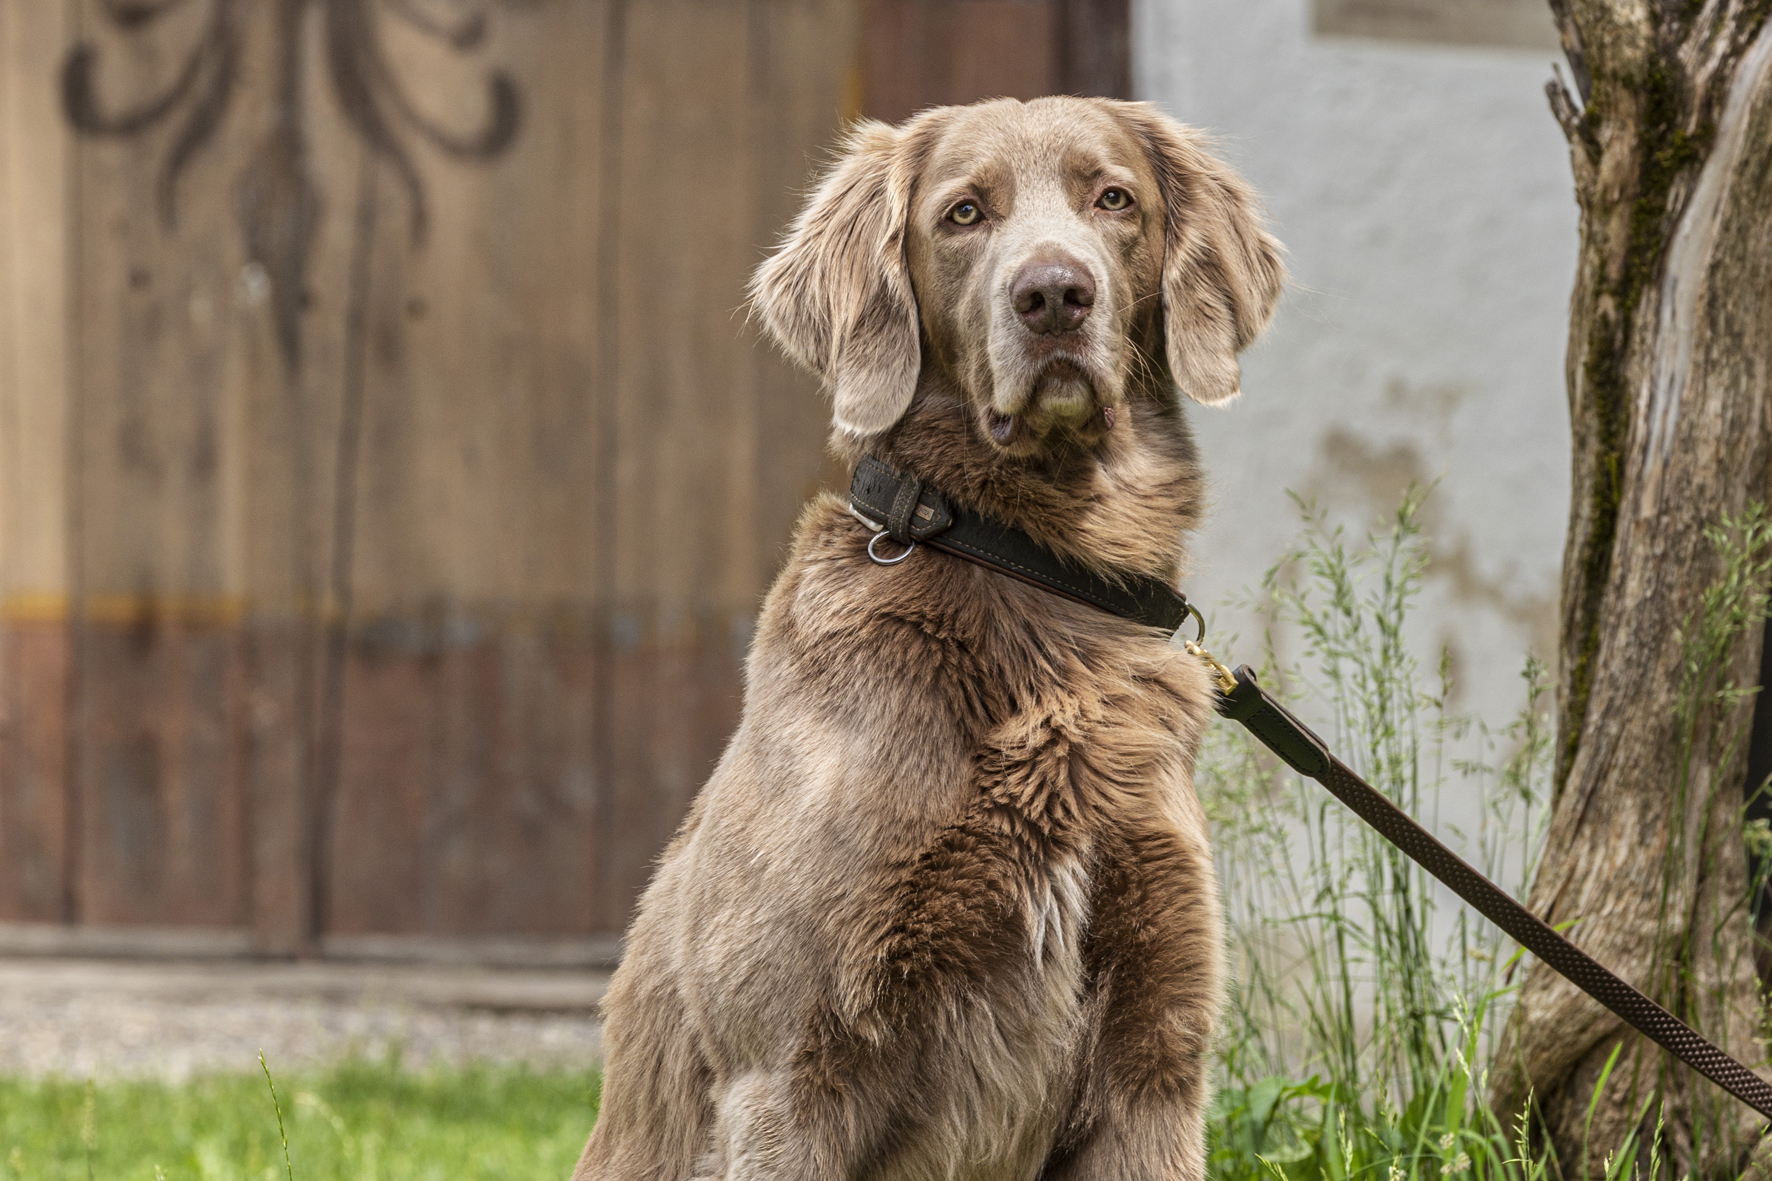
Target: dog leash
(904,509)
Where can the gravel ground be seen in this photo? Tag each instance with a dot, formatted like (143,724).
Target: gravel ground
(108,1019)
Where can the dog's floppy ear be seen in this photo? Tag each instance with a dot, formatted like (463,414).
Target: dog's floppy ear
(1222,271)
(837,296)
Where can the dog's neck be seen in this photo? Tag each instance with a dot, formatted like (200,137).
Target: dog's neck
(1121,506)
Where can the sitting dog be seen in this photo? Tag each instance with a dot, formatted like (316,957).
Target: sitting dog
(946,907)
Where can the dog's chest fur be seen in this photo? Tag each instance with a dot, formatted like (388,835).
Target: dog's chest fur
(958,769)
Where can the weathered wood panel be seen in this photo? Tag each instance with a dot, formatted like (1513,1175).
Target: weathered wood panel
(796,111)
(920,53)
(423,480)
(279,854)
(35,869)
(391,475)
(34,660)
(682,551)
(467,805)
(204,403)
(464,717)
(621,531)
(163,828)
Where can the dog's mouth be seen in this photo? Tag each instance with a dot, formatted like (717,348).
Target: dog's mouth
(1002,427)
(1063,400)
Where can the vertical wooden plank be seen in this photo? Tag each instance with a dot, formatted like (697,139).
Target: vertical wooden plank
(682,392)
(804,56)
(717,442)
(921,53)
(999,48)
(389,771)
(1095,48)
(683,232)
(899,72)
(272,766)
(470,718)
(162,822)
(34,229)
(201,448)
(34,659)
(169,313)
(153,331)
(34,232)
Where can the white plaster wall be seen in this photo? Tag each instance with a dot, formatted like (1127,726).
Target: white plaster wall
(1423,194)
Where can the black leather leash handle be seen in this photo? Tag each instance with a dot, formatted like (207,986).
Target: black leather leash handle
(1305,753)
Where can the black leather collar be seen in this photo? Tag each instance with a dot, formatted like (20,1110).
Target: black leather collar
(907,510)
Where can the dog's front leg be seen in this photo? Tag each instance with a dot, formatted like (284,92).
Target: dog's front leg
(795,1124)
(888,1069)
(1154,957)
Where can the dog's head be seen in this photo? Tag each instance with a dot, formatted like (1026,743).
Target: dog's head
(1047,259)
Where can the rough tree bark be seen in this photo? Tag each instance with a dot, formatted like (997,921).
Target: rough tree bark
(1670,396)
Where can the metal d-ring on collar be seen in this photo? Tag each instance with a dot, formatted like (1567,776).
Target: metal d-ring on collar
(878,560)
(880,531)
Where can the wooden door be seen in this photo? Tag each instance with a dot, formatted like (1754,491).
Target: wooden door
(389,477)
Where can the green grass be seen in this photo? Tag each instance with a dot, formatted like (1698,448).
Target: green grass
(367,1121)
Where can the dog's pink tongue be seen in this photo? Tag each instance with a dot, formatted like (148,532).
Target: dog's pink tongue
(1002,426)
(1108,415)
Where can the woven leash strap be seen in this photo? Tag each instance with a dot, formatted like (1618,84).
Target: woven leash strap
(1305,753)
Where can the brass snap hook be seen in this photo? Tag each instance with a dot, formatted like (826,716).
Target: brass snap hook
(1226,680)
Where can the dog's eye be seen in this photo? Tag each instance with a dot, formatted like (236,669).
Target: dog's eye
(1114,200)
(965,213)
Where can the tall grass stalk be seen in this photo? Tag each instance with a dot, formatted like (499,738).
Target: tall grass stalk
(282,1133)
(1361,1011)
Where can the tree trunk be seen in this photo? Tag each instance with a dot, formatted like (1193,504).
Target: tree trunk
(1670,399)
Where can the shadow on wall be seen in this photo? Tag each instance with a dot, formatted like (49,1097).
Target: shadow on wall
(1368,481)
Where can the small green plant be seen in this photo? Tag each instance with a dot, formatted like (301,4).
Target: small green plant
(1361,1015)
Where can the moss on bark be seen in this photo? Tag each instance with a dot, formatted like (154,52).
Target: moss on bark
(1666,152)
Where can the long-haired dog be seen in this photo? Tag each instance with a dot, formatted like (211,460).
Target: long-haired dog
(946,907)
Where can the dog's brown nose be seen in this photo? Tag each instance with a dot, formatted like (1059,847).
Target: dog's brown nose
(1053,296)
